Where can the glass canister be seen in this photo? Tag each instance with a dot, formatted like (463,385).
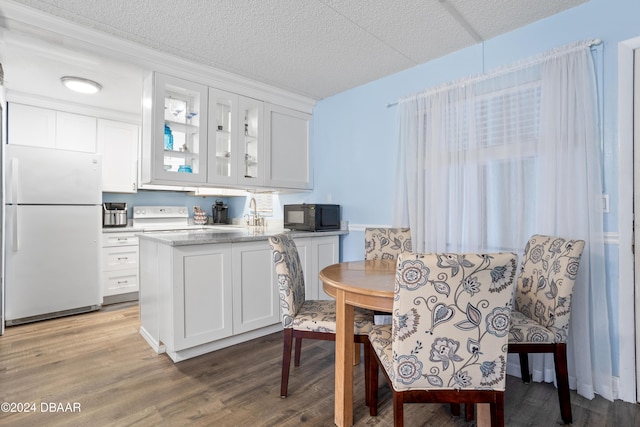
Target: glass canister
(168,138)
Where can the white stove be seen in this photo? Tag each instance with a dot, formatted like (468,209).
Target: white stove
(160,218)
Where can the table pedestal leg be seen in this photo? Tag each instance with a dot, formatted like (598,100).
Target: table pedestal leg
(344,362)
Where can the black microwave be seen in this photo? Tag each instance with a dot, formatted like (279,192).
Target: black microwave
(312,217)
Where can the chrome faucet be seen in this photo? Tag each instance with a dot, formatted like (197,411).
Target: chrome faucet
(252,206)
(254,220)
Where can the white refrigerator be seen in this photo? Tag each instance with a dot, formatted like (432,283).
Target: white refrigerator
(52,233)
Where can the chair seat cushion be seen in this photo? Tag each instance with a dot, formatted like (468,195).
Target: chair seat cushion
(320,316)
(525,330)
(380,339)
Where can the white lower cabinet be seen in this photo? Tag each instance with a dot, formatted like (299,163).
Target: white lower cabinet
(255,290)
(202,297)
(199,298)
(119,266)
(315,254)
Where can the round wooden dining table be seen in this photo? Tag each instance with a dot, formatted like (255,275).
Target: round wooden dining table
(367,284)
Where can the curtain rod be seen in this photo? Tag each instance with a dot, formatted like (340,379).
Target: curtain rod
(590,43)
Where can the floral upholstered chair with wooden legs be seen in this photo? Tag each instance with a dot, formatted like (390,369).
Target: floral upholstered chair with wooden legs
(448,341)
(302,318)
(386,243)
(540,317)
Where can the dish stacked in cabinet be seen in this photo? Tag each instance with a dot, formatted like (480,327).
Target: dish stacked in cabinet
(119,267)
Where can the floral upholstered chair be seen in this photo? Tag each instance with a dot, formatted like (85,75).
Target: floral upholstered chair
(386,243)
(448,340)
(302,318)
(540,317)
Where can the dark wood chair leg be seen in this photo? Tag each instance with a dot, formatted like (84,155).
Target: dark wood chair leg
(469,411)
(524,367)
(562,379)
(296,360)
(373,382)
(497,411)
(455,409)
(398,409)
(286,361)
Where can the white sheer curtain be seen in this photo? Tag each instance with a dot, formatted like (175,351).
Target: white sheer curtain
(486,162)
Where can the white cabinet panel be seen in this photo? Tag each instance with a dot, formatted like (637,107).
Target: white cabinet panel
(202,301)
(120,258)
(315,254)
(42,127)
(255,292)
(287,148)
(76,132)
(119,282)
(119,239)
(31,126)
(118,144)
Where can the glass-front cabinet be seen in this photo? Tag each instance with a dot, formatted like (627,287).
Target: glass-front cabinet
(236,148)
(251,142)
(223,136)
(195,135)
(175,137)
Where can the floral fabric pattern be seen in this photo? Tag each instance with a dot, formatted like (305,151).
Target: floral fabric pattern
(544,289)
(386,243)
(297,312)
(451,318)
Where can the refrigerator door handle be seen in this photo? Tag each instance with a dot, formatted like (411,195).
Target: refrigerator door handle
(14,198)
(15,240)
(14,180)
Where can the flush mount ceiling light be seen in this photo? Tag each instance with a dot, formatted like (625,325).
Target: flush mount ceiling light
(81,85)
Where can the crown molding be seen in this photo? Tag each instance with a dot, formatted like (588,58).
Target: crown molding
(17,17)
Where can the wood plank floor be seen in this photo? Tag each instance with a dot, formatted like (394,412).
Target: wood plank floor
(99,362)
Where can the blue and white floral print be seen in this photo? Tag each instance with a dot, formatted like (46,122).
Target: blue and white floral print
(545,286)
(451,319)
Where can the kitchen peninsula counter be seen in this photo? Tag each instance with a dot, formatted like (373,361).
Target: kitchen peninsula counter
(216,235)
(206,289)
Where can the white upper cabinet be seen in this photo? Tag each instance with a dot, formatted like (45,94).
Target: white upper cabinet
(287,145)
(174,118)
(42,127)
(32,126)
(118,144)
(224,130)
(76,132)
(220,138)
(251,160)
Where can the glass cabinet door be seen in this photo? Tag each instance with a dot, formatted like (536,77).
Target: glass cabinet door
(251,142)
(180,109)
(223,137)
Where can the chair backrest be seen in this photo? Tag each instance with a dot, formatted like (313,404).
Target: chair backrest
(545,284)
(386,243)
(290,277)
(451,317)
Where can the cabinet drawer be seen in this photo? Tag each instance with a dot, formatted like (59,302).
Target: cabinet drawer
(119,282)
(119,239)
(119,258)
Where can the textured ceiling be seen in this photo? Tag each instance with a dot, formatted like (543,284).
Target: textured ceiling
(315,48)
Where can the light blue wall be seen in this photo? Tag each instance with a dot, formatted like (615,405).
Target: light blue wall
(172,198)
(354,133)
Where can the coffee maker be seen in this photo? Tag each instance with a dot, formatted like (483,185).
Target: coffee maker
(219,211)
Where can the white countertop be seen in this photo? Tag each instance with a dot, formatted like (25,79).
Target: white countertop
(218,234)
